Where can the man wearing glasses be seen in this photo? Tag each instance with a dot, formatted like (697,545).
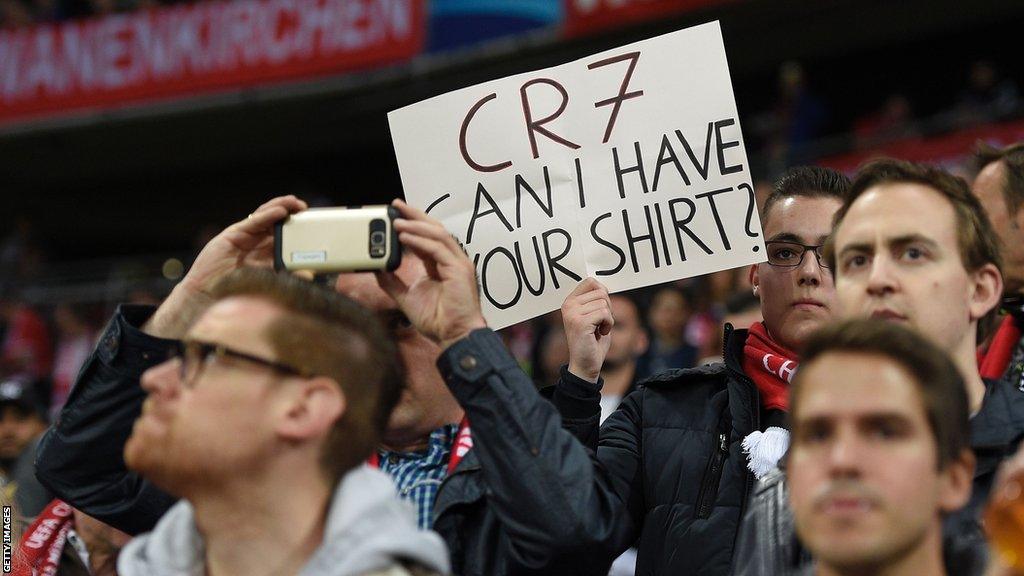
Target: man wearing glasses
(682,452)
(261,422)
(912,245)
(484,492)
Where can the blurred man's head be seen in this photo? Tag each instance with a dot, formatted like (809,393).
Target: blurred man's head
(795,287)
(277,373)
(22,417)
(629,339)
(912,244)
(669,312)
(880,447)
(1000,188)
(426,402)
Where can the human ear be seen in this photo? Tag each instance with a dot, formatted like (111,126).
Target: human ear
(956,482)
(310,409)
(986,290)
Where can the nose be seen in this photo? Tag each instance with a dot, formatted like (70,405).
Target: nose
(809,272)
(844,456)
(164,378)
(881,280)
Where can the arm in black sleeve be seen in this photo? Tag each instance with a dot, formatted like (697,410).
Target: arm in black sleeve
(80,458)
(553,500)
(579,403)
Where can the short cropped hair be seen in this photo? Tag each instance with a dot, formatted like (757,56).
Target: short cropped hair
(942,388)
(327,334)
(1012,158)
(806,182)
(976,239)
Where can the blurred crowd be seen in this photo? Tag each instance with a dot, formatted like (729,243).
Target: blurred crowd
(22,13)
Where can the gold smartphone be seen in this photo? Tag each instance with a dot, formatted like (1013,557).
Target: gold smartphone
(322,240)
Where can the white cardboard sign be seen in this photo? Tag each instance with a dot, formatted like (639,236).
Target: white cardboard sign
(627,166)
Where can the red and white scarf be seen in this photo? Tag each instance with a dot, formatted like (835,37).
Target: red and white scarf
(771,366)
(43,543)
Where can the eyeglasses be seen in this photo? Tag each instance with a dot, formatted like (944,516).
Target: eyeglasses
(791,254)
(194,355)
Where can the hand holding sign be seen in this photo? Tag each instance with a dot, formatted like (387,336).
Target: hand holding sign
(587,317)
(436,289)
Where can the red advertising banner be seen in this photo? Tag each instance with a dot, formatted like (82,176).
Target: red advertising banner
(583,16)
(204,47)
(951,151)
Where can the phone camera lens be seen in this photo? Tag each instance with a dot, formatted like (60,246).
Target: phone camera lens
(377,238)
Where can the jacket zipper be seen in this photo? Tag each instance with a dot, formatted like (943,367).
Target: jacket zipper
(756,411)
(712,478)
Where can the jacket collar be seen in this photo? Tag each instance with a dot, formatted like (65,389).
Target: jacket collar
(999,425)
(732,348)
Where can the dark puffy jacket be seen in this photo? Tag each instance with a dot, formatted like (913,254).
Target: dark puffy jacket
(768,545)
(522,501)
(673,452)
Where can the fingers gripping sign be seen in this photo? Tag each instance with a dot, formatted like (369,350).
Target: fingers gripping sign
(587,316)
(440,296)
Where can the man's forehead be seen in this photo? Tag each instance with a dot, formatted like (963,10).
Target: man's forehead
(236,320)
(856,385)
(806,219)
(363,288)
(898,210)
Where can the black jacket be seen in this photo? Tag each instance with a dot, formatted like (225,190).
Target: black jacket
(768,545)
(524,497)
(676,468)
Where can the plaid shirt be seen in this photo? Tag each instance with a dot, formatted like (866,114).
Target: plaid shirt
(418,475)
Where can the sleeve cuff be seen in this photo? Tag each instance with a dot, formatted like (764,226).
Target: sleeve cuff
(575,397)
(474,358)
(124,344)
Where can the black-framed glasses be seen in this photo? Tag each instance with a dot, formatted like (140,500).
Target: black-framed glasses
(791,254)
(195,354)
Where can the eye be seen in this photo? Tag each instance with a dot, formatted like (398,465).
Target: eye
(885,431)
(400,324)
(913,253)
(855,261)
(814,434)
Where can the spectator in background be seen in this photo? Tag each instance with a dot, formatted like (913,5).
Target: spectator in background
(796,119)
(553,353)
(989,95)
(880,450)
(1000,188)
(26,347)
(741,309)
(23,419)
(75,341)
(893,120)
(668,316)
